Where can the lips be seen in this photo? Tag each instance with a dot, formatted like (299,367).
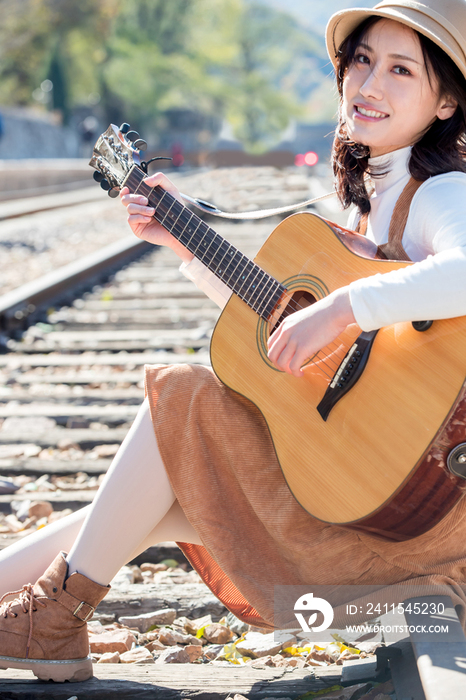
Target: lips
(369,113)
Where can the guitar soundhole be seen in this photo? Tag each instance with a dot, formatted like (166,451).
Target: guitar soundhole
(300,299)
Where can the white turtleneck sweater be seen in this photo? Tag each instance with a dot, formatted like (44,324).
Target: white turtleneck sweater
(434,238)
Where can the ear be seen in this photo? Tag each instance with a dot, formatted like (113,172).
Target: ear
(447,107)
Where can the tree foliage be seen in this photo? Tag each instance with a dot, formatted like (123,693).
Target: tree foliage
(139,58)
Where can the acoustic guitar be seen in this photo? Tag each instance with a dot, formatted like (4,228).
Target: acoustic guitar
(373,437)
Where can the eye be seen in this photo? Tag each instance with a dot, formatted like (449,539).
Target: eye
(361,58)
(401,70)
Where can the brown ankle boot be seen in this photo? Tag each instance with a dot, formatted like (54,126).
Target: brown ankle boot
(44,629)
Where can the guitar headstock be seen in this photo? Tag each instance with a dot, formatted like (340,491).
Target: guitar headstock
(115,153)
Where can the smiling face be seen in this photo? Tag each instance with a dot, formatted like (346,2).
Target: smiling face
(388,101)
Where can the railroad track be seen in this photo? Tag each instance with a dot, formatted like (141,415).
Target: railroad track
(70,386)
(71,382)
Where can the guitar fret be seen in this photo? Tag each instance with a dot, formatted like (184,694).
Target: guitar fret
(247,280)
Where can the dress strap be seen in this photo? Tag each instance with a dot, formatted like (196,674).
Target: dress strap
(393,249)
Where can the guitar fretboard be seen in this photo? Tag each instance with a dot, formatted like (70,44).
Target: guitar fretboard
(251,283)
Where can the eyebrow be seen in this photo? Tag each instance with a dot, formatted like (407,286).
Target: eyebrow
(392,55)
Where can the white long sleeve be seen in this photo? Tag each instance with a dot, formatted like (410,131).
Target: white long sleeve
(434,238)
(206,281)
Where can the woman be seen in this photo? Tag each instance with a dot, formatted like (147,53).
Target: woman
(401,74)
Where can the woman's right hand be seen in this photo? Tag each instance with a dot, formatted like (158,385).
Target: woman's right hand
(141,216)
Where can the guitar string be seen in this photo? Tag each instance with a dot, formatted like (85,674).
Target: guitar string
(318,359)
(321,357)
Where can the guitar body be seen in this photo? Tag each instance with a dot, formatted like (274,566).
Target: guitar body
(378,461)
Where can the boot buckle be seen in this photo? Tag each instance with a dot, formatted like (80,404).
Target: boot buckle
(84,611)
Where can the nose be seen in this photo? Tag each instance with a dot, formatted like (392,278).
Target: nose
(372,87)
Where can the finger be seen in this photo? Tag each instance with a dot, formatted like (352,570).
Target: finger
(139,219)
(138,209)
(284,357)
(159,179)
(296,363)
(129,198)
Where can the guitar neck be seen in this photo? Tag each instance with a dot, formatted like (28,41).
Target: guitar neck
(259,290)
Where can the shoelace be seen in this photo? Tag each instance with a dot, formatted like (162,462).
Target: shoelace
(27,598)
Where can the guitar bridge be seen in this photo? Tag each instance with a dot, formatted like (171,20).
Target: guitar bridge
(348,373)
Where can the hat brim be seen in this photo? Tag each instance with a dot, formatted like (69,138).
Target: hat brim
(342,23)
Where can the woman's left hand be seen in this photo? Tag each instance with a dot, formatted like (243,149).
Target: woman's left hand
(303,333)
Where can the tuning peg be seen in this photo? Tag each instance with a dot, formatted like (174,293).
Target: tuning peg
(98,177)
(114,192)
(140,144)
(105,185)
(124,128)
(132,135)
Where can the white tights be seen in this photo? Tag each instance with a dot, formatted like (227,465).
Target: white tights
(134,508)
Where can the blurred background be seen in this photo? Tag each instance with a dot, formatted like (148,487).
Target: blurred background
(209,82)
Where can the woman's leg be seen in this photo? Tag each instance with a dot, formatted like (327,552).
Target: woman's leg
(134,508)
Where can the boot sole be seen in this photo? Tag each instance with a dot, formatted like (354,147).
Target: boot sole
(74,670)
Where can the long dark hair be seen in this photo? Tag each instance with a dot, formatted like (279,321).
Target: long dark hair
(441,149)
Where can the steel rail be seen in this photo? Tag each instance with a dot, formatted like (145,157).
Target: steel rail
(23,305)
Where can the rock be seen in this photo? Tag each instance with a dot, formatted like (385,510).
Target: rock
(138,578)
(114,640)
(212,651)
(95,627)
(7,486)
(21,508)
(217,633)
(106,450)
(138,655)
(110,657)
(123,578)
(153,568)
(236,625)
(155,646)
(263,662)
(193,626)
(295,662)
(40,509)
(256,644)
(171,637)
(145,621)
(180,655)
(102,618)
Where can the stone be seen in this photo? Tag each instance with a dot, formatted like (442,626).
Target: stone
(95,627)
(125,577)
(193,626)
(171,637)
(155,646)
(40,509)
(153,568)
(256,644)
(138,578)
(7,487)
(146,620)
(212,651)
(236,625)
(217,633)
(138,655)
(110,657)
(180,655)
(113,640)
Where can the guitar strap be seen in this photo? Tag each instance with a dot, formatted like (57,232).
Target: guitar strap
(393,249)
